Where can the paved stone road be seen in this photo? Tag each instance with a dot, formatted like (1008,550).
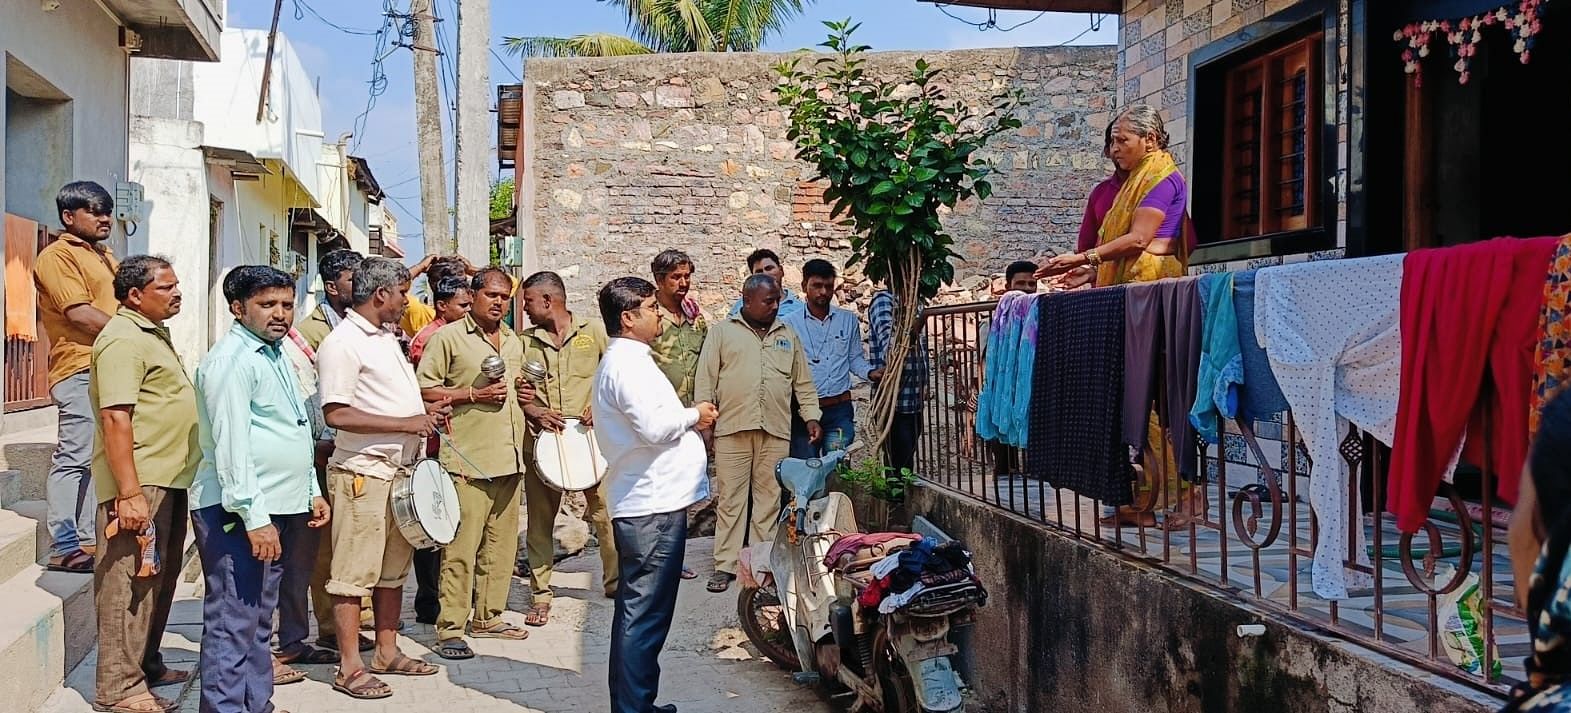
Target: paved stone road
(560,668)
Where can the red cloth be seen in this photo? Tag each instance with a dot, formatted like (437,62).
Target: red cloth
(1465,308)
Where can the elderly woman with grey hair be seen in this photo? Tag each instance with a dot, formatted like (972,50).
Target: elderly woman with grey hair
(1145,235)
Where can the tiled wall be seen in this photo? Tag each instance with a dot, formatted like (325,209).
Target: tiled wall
(1153,61)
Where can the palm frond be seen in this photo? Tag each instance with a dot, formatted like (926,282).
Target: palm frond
(597,44)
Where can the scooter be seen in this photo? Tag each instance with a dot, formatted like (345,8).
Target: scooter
(805,617)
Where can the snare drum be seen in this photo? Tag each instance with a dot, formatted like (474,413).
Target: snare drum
(570,460)
(425,506)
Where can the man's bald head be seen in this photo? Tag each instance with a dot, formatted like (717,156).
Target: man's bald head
(760,299)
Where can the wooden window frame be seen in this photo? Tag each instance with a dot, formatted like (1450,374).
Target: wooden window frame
(1209,67)
(1265,139)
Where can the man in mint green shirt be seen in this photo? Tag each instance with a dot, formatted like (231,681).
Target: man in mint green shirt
(255,505)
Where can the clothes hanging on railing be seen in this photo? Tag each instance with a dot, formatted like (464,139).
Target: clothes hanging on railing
(1334,340)
(1260,397)
(1074,413)
(1006,382)
(1465,309)
(1221,370)
(1162,326)
(1552,356)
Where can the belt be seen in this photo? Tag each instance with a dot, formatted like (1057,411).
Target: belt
(836,400)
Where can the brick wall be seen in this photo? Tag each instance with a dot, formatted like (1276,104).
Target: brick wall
(634,155)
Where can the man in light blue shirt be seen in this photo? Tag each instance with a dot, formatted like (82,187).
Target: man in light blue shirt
(255,505)
(765,261)
(832,338)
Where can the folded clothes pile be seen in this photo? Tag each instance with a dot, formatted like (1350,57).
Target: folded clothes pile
(898,578)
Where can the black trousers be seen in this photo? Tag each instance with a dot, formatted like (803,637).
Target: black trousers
(650,551)
(428,569)
(904,433)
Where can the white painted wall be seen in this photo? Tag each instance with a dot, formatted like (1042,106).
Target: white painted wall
(74,47)
(167,160)
(225,103)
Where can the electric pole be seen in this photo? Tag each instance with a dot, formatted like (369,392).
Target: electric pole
(473,195)
(428,132)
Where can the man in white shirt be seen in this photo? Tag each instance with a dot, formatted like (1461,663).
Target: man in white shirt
(657,468)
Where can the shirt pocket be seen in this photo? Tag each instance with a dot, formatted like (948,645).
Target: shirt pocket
(778,355)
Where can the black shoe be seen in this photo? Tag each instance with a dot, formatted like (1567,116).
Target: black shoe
(667,708)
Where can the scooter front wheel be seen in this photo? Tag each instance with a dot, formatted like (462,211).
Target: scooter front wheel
(894,680)
(763,620)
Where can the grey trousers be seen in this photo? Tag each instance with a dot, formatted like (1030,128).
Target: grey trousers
(68,492)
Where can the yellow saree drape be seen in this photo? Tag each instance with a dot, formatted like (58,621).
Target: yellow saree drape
(1160,487)
(1144,267)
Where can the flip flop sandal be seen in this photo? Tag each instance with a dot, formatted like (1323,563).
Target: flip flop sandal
(284,674)
(311,655)
(404,666)
(77,562)
(503,630)
(361,685)
(719,582)
(538,615)
(454,650)
(150,704)
(689,574)
(170,677)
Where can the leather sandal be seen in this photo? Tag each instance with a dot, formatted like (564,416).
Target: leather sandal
(539,614)
(144,703)
(719,582)
(361,685)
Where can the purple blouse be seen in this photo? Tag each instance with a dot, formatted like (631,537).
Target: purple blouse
(1171,197)
(1097,204)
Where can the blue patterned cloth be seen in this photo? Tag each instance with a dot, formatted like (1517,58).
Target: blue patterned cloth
(1221,361)
(1006,382)
(1259,396)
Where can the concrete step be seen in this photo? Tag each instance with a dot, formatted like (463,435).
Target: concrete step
(18,544)
(35,512)
(28,452)
(180,649)
(48,629)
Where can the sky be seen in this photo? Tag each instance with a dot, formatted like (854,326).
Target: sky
(336,43)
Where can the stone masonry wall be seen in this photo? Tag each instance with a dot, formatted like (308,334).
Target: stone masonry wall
(634,155)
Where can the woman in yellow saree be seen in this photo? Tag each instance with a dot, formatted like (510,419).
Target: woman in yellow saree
(1144,237)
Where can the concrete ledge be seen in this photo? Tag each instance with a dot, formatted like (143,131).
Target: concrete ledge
(1075,629)
(48,629)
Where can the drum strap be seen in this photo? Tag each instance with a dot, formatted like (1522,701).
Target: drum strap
(461,455)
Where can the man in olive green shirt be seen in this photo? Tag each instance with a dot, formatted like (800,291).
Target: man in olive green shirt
(484,453)
(751,367)
(144,458)
(683,327)
(570,349)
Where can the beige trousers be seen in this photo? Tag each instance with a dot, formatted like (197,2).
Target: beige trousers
(745,476)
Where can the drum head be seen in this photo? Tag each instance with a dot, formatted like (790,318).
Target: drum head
(570,460)
(435,500)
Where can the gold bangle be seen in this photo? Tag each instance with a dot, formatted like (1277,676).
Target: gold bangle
(1093,258)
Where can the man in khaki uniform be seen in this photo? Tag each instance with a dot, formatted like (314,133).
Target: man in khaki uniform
(75,278)
(682,329)
(570,348)
(144,460)
(751,367)
(484,453)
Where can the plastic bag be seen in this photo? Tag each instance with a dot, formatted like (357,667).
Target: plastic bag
(1462,628)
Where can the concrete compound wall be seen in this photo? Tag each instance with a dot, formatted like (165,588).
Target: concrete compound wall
(629,156)
(1072,629)
(71,54)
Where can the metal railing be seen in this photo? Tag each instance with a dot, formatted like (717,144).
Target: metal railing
(1256,540)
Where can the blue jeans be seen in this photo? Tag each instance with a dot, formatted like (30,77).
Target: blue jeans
(839,424)
(650,551)
(237,610)
(72,508)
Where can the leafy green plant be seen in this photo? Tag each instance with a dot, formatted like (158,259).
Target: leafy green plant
(871,476)
(895,152)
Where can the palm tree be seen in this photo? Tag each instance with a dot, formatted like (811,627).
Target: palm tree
(673,26)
